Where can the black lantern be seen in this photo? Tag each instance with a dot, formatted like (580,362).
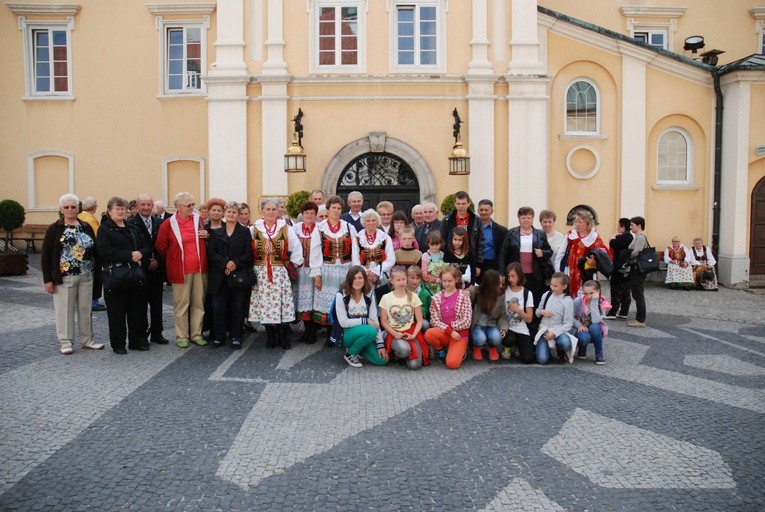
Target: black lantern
(294,158)
(459,162)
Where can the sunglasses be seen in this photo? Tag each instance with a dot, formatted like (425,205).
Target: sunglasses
(69,207)
(190,205)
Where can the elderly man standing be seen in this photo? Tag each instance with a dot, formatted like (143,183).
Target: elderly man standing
(353,216)
(182,242)
(159,210)
(417,216)
(494,235)
(88,214)
(148,226)
(429,223)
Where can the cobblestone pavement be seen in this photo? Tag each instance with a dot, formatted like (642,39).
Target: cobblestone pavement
(674,421)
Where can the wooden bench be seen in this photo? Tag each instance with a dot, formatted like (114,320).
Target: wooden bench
(30,234)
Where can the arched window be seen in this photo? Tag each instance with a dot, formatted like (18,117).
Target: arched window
(582,108)
(674,157)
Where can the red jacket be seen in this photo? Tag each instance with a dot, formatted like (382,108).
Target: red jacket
(169,246)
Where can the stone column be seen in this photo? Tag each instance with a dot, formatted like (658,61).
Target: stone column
(732,255)
(226,82)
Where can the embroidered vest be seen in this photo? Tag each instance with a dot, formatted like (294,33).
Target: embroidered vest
(372,255)
(333,249)
(279,249)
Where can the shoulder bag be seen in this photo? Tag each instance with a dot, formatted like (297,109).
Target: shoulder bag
(647,260)
(120,277)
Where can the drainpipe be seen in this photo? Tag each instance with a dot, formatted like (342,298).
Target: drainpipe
(716,207)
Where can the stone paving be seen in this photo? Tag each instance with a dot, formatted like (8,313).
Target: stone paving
(674,421)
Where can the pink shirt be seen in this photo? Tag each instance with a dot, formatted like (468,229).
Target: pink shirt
(191,263)
(449,307)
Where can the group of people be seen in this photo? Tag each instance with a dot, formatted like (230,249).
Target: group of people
(692,268)
(383,287)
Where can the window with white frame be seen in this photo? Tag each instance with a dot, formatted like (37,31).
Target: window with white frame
(339,36)
(674,157)
(582,108)
(418,35)
(47,46)
(184,58)
(657,38)
(762,43)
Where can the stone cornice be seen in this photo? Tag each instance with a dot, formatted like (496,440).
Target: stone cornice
(757,13)
(182,8)
(645,11)
(26,9)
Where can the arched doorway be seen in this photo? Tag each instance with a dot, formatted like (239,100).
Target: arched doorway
(381,177)
(379,149)
(757,232)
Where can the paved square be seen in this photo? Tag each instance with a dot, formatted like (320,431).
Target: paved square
(674,421)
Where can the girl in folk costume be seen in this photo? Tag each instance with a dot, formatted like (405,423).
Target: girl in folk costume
(329,266)
(274,244)
(703,266)
(460,254)
(373,250)
(401,318)
(303,289)
(577,243)
(450,315)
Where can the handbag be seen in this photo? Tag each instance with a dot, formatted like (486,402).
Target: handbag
(123,276)
(242,278)
(647,260)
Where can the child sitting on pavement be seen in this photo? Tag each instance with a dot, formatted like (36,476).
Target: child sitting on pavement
(490,323)
(401,318)
(589,327)
(556,309)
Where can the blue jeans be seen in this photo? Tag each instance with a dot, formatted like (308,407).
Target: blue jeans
(482,334)
(595,335)
(562,343)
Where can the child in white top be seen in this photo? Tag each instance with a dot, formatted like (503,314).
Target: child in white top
(556,309)
(519,309)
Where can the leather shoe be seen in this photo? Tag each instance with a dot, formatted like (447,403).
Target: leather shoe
(142,347)
(160,341)
(93,346)
(99,307)
(120,351)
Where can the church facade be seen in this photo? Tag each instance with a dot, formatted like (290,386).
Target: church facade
(561,104)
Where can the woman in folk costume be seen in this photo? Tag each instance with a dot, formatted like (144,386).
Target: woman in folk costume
(703,266)
(577,243)
(303,290)
(680,263)
(330,267)
(274,244)
(373,250)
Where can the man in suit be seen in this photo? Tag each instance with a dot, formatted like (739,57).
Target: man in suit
(159,210)
(494,235)
(429,223)
(353,215)
(148,225)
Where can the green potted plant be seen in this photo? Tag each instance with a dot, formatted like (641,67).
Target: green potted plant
(12,261)
(294,201)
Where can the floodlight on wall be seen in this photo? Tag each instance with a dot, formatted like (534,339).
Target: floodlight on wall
(294,158)
(693,43)
(459,162)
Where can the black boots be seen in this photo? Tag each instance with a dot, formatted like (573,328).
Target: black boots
(284,336)
(271,341)
(309,334)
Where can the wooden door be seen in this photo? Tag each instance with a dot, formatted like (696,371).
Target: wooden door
(757,233)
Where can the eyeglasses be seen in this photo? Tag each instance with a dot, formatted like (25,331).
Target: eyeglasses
(69,207)
(190,205)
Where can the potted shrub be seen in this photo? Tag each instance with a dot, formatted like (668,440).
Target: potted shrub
(12,261)
(294,201)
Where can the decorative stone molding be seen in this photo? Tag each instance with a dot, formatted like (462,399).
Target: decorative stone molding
(25,9)
(655,11)
(184,8)
(396,147)
(576,173)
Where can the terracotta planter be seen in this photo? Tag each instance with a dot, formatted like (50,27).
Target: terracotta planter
(14,264)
